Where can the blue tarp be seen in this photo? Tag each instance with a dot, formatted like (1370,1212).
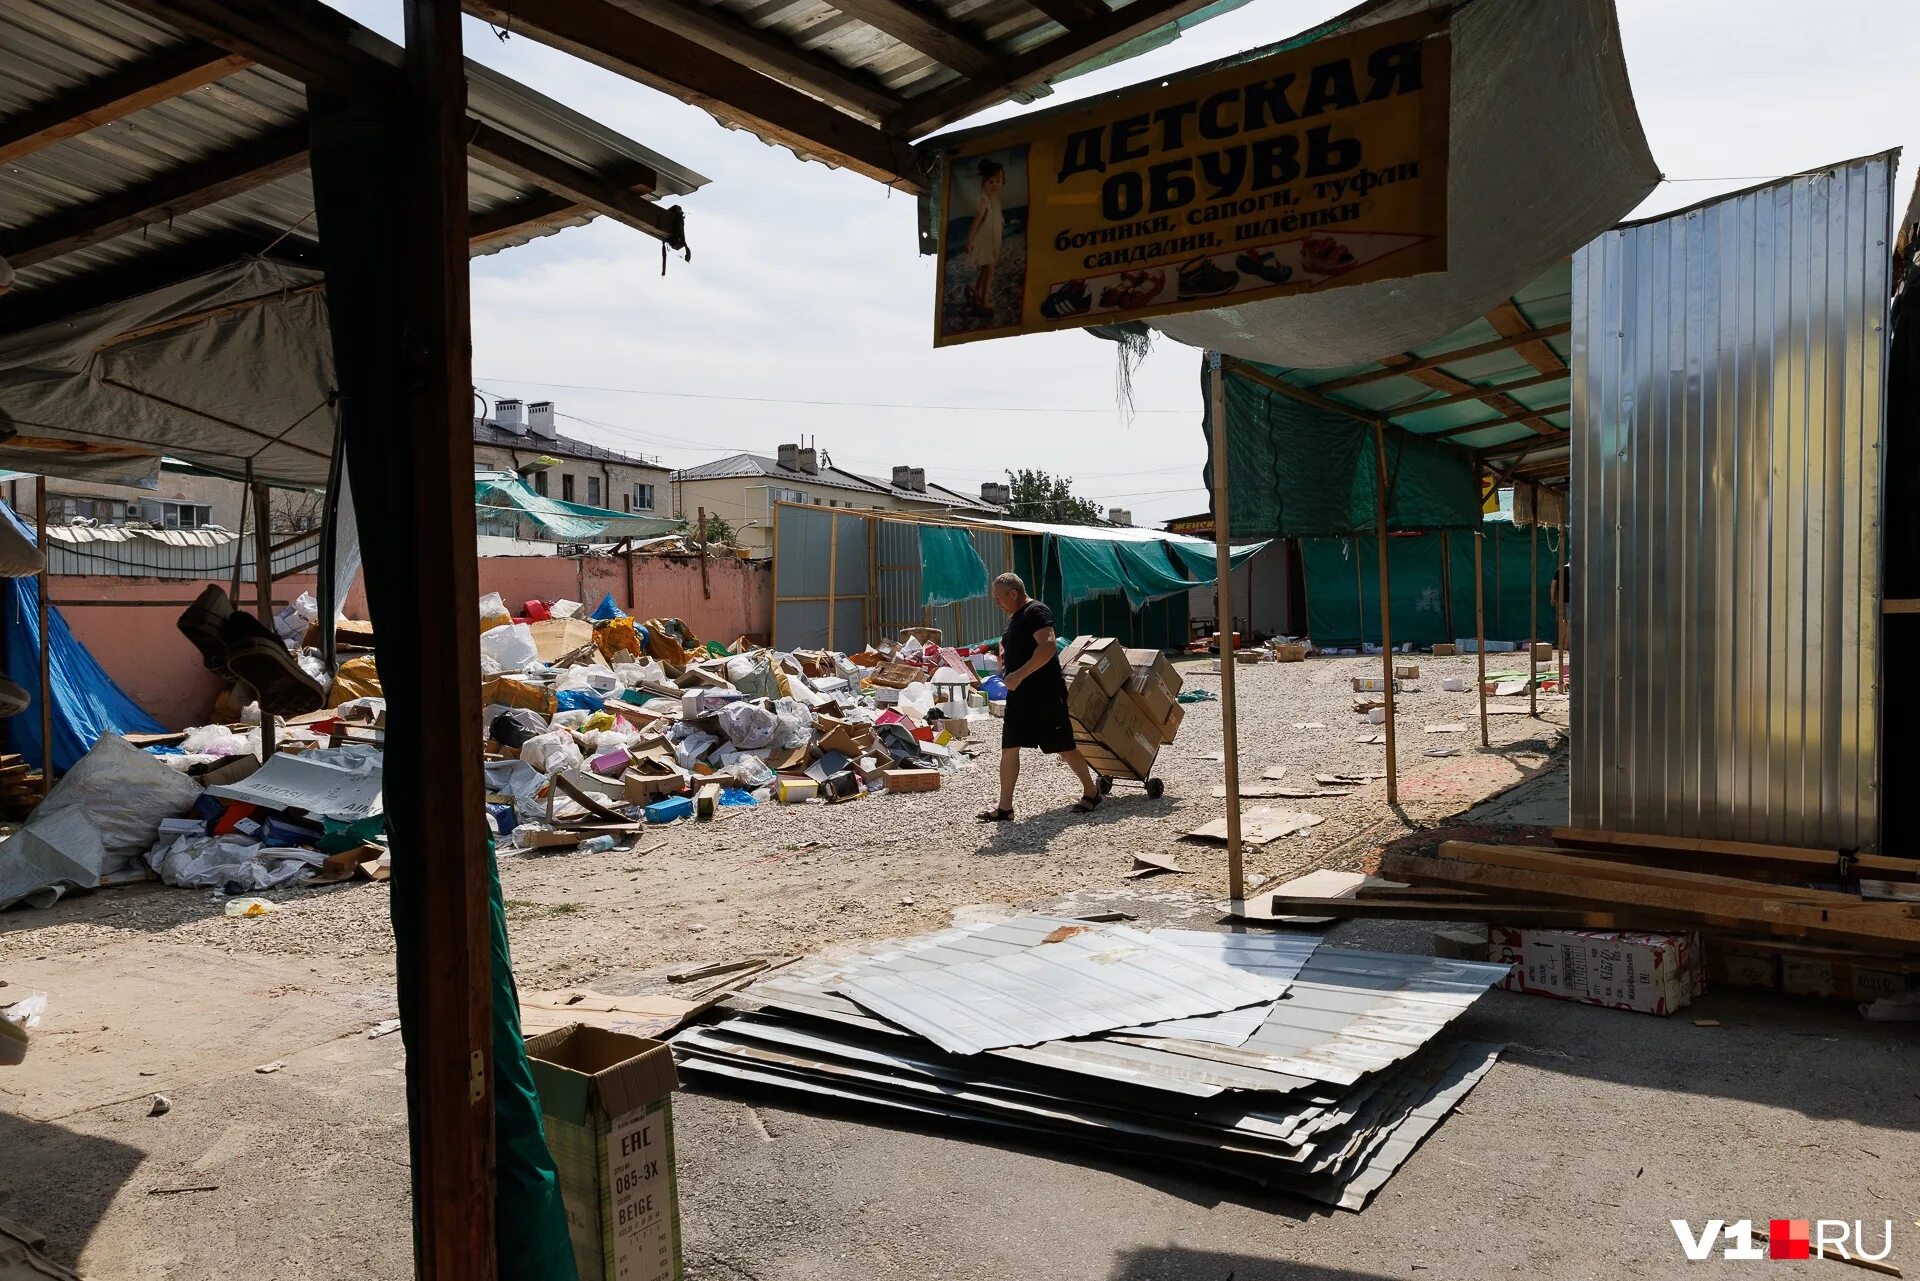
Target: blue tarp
(86,702)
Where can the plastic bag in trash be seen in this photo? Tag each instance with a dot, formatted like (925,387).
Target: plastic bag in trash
(589,676)
(511,646)
(607,609)
(794,723)
(918,696)
(755,676)
(748,724)
(493,612)
(690,748)
(513,727)
(571,700)
(552,752)
(292,622)
(746,769)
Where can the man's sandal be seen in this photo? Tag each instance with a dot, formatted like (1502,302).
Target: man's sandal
(1087,804)
(994,815)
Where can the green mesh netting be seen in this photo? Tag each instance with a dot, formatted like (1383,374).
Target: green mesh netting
(1297,470)
(950,566)
(1431,590)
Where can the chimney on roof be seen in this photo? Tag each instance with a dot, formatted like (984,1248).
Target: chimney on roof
(918,480)
(510,415)
(903,478)
(995,494)
(540,419)
(809,461)
(1120,516)
(789,457)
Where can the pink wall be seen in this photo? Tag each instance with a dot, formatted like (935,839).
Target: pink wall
(139,645)
(664,587)
(161,670)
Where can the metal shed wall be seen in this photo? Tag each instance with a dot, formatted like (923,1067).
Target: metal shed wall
(1727,431)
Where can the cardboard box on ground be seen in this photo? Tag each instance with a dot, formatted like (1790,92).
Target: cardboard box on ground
(606,1103)
(1652,973)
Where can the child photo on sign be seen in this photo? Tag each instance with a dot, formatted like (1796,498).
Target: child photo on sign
(986,258)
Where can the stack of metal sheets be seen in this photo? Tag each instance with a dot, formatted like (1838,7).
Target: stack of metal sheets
(1266,1056)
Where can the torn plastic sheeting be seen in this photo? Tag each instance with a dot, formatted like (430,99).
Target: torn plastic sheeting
(101,817)
(336,782)
(950,566)
(216,862)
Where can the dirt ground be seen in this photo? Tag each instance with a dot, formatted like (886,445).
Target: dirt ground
(1594,1130)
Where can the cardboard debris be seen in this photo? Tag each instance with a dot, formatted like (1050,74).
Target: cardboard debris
(1153,865)
(1258,826)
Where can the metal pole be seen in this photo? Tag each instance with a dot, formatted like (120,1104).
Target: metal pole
(1480,632)
(1223,595)
(263,595)
(1533,609)
(46,646)
(833,575)
(1562,574)
(1386,608)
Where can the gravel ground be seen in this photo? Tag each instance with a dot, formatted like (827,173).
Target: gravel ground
(792,879)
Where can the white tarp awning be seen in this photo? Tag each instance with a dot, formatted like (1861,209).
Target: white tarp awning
(225,367)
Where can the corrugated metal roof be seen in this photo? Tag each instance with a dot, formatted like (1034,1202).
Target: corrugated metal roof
(737,465)
(561,446)
(1043,979)
(51,49)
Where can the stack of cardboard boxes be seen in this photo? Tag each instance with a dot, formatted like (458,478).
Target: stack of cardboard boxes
(1123,703)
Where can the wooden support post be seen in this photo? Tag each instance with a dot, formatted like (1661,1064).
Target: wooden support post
(1562,576)
(263,593)
(1533,609)
(633,602)
(706,589)
(46,645)
(1480,632)
(240,544)
(1386,608)
(1223,593)
(1359,594)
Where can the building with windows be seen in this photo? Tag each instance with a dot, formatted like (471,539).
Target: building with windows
(742,490)
(178,500)
(522,438)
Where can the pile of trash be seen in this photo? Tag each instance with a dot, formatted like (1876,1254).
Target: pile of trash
(602,724)
(1267,1057)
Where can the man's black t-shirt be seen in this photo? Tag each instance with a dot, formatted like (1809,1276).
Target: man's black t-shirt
(1017,642)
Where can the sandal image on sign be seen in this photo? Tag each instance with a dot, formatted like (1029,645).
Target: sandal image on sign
(1069,299)
(1202,279)
(1325,255)
(1260,263)
(1136,289)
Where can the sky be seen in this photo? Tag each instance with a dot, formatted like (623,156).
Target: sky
(807,310)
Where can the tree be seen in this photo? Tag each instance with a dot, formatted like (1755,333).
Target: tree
(718,532)
(1036,495)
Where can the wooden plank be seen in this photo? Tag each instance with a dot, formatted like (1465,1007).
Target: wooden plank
(622,41)
(1900,607)
(617,196)
(161,75)
(531,214)
(1478,392)
(1528,446)
(1388,682)
(1306,908)
(1509,323)
(1809,861)
(1044,61)
(1524,415)
(1224,627)
(178,191)
(1321,884)
(772,54)
(1595,868)
(1069,13)
(926,29)
(451,1086)
(1865,925)
(1413,364)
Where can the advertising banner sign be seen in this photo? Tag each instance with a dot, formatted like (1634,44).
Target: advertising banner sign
(1316,167)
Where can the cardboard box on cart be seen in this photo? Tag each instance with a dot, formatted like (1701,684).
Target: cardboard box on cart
(1102,658)
(1130,733)
(606,1104)
(1153,679)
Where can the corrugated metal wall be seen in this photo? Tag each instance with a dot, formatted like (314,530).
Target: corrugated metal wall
(807,554)
(1727,424)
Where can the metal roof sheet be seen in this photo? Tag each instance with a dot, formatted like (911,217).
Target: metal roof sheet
(1044,979)
(51,49)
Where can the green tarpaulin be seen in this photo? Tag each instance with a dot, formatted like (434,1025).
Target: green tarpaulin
(1142,570)
(1431,589)
(1297,470)
(950,566)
